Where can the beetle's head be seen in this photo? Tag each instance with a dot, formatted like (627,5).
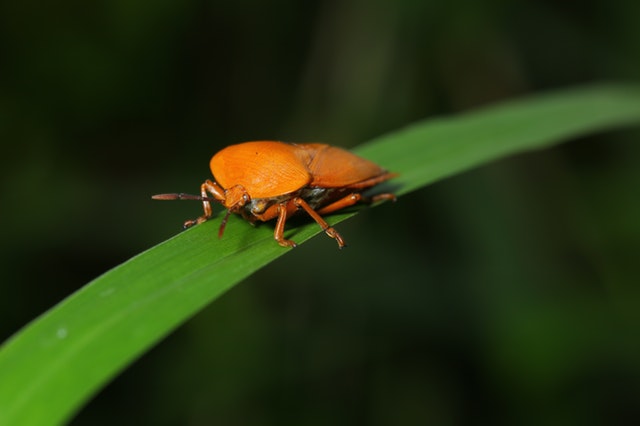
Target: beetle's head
(235,198)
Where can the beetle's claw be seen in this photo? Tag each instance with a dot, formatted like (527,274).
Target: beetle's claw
(287,243)
(198,221)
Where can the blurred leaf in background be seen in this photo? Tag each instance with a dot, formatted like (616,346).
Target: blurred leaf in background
(505,295)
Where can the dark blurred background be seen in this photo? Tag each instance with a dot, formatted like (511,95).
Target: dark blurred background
(506,295)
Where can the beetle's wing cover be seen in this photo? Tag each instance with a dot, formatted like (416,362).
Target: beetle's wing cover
(266,169)
(333,167)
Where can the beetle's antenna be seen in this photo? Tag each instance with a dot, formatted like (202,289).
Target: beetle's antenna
(223,224)
(182,196)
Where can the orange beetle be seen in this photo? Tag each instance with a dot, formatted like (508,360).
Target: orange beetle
(264,180)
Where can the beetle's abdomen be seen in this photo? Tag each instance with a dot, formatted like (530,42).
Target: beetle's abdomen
(332,167)
(320,197)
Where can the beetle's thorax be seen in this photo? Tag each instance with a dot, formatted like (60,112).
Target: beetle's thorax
(257,206)
(315,197)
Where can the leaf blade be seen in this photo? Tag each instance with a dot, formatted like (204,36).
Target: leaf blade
(52,366)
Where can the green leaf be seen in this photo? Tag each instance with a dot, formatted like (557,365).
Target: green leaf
(56,363)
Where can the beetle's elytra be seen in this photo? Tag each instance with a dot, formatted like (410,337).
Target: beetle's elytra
(266,180)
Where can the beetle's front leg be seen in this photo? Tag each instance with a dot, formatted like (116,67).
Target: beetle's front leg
(217,192)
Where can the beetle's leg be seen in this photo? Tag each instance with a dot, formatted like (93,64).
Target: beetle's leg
(379,197)
(352,199)
(323,223)
(278,233)
(213,189)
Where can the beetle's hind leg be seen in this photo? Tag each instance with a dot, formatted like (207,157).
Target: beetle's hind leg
(380,197)
(328,229)
(352,199)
